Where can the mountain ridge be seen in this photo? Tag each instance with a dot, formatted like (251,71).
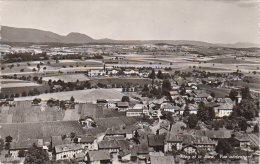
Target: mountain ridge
(31,35)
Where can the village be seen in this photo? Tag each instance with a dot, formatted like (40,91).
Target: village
(123,112)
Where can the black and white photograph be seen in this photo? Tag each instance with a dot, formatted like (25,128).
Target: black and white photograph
(130,81)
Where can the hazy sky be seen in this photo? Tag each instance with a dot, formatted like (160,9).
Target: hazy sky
(216,21)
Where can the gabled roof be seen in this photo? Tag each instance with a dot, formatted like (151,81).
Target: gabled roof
(135,110)
(67,147)
(225,106)
(113,144)
(218,133)
(184,138)
(99,155)
(87,139)
(122,104)
(162,159)
(156,140)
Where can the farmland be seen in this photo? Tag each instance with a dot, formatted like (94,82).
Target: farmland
(67,78)
(89,95)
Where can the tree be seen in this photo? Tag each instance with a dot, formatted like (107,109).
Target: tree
(246,108)
(192,121)
(245,92)
(152,76)
(72,135)
(233,94)
(21,153)
(223,147)
(63,137)
(243,125)
(186,111)
(205,113)
(145,89)
(1,144)
(166,87)
(36,155)
(72,99)
(34,70)
(256,129)
(160,75)
(125,99)
(8,139)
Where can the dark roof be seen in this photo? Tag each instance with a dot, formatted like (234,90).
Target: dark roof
(99,155)
(87,139)
(67,147)
(218,133)
(113,144)
(122,104)
(162,159)
(156,140)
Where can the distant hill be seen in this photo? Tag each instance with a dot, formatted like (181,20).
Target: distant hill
(29,35)
(11,34)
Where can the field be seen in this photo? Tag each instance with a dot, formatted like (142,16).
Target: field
(119,81)
(82,96)
(67,78)
(24,112)
(13,87)
(25,131)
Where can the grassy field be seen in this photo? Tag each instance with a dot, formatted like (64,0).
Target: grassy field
(45,130)
(67,78)
(82,96)
(25,112)
(120,81)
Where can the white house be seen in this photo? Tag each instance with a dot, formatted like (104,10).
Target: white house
(134,112)
(225,109)
(96,72)
(67,151)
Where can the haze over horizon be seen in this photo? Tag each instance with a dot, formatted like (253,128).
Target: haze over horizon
(214,21)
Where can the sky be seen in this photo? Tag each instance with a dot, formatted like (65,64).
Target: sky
(215,21)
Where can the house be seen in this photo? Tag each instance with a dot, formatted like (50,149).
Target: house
(134,113)
(190,149)
(87,121)
(188,89)
(200,95)
(113,72)
(88,142)
(131,72)
(174,94)
(67,151)
(162,159)
(69,104)
(243,141)
(167,107)
(96,72)
(204,143)
(57,140)
(217,134)
(119,134)
(113,146)
(98,157)
(122,106)
(225,109)
(15,147)
(111,104)
(101,101)
(156,142)
(177,141)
